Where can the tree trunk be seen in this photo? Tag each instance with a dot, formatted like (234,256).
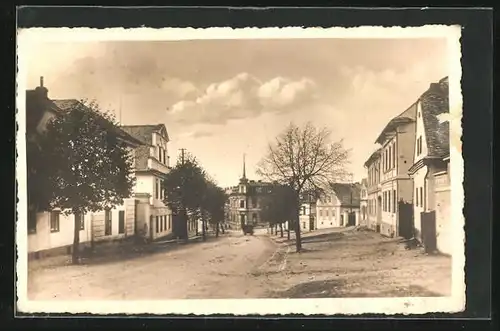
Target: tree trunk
(281,230)
(76,242)
(298,239)
(203,227)
(288,230)
(217,230)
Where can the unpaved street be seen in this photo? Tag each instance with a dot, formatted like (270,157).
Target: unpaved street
(334,263)
(218,268)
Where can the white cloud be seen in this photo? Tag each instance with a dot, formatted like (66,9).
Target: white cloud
(179,87)
(243,96)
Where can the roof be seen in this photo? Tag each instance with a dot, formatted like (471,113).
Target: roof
(408,116)
(435,101)
(375,155)
(348,194)
(144,133)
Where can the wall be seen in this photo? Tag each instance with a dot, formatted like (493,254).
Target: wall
(443,214)
(144,183)
(418,181)
(388,225)
(43,239)
(388,170)
(419,132)
(99,222)
(406,148)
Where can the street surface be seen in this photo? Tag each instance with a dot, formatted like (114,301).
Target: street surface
(334,263)
(218,268)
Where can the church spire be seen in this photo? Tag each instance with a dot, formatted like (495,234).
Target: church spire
(244,170)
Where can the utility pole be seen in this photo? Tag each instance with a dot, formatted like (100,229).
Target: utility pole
(184,212)
(182,155)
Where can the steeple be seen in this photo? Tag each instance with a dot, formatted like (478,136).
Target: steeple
(244,172)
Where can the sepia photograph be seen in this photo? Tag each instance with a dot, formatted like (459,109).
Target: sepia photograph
(240,171)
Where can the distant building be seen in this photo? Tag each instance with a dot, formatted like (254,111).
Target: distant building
(307,213)
(374,200)
(430,169)
(363,217)
(339,207)
(245,201)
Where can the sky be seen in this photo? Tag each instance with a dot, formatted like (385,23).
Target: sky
(221,99)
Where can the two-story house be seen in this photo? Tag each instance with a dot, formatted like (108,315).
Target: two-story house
(374,200)
(339,206)
(430,169)
(152,163)
(396,156)
(51,231)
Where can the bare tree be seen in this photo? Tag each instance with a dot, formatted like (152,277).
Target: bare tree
(305,159)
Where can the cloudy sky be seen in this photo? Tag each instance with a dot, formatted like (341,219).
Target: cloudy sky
(222,98)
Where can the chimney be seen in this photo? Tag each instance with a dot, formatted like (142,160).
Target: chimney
(42,91)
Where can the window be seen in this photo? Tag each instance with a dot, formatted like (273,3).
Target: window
(389,166)
(157,188)
(107,222)
(416,197)
(54,221)
(333,213)
(242,203)
(321,213)
(121,221)
(394,155)
(303,210)
(422,203)
(388,201)
(419,145)
(79,218)
(394,201)
(164,156)
(169,221)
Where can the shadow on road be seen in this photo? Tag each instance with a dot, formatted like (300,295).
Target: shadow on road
(341,289)
(324,237)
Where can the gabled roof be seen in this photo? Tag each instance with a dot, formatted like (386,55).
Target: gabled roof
(348,194)
(375,155)
(435,101)
(145,132)
(408,116)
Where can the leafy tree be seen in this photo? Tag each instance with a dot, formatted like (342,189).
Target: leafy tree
(184,189)
(86,161)
(214,204)
(305,159)
(278,206)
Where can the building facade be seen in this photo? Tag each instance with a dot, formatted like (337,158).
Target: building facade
(374,199)
(335,207)
(396,186)
(363,213)
(430,168)
(152,164)
(52,232)
(245,201)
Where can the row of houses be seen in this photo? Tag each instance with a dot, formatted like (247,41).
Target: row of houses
(408,182)
(340,207)
(144,213)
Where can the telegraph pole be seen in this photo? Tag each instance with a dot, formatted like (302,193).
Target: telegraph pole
(184,213)
(182,155)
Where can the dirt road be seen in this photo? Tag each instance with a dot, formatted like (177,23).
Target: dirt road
(219,268)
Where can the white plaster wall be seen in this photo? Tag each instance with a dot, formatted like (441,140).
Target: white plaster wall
(44,239)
